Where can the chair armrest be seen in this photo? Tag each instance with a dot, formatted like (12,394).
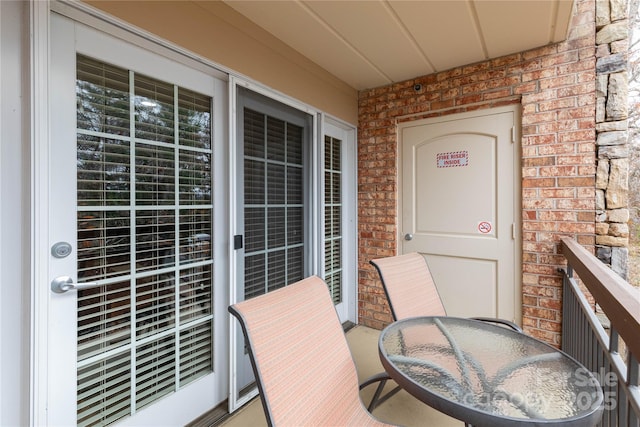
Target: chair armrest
(500,322)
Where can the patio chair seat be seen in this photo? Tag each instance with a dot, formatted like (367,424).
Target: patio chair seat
(302,363)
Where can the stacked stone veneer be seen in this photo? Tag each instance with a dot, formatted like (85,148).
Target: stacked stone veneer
(612,112)
(555,86)
(634,142)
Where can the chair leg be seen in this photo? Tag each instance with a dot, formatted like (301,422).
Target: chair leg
(376,395)
(378,398)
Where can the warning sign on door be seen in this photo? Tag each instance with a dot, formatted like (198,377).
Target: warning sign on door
(453,159)
(485,227)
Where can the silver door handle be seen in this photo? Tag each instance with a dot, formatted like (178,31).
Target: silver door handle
(63,284)
(408,236)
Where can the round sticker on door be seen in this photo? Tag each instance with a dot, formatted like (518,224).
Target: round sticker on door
(484,227)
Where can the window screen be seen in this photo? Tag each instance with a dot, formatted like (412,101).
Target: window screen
(274,220)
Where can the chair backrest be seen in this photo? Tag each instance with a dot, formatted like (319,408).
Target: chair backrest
(409,286)
(303,366)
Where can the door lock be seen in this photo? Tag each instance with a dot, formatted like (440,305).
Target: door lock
(61,250)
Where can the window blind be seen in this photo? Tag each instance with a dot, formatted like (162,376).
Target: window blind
(144,230)
(333,217)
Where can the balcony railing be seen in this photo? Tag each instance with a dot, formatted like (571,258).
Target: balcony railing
(611,355)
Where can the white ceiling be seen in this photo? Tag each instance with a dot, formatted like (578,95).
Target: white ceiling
(371,43)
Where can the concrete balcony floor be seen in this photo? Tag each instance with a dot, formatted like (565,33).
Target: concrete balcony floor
(401,409)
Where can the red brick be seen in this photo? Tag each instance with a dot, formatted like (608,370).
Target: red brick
(558,171)
(552,193)
(538,247)
(585,88)
(557,104)
(539,182)
(547,116)
(558,216)
(544,139)
(537,203)
(557,149)
(539,291)
(497,94)
(576,204)
(468,99)
(576,160)
(525,88)
(577,182)
(540,313)
(558,82)
(539,74)
(538,161)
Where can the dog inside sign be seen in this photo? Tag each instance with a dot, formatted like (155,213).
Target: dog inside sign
(452,159)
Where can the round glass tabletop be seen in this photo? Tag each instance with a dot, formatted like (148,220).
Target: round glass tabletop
(486,374)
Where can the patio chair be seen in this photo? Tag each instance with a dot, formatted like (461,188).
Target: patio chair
(411,291)
(303,366)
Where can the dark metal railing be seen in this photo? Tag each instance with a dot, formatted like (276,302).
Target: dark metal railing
(611,355)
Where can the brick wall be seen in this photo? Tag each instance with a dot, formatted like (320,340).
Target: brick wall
(555,85)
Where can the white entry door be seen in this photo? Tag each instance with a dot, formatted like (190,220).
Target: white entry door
(132,223)
(460,208)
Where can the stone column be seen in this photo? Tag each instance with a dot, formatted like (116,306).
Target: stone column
(634,141)
(612,129)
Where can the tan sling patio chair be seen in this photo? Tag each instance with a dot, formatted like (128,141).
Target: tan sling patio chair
(411,291)
(303,366)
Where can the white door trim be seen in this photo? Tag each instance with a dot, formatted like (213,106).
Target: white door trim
(39,203)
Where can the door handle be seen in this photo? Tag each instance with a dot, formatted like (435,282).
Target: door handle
(408,236)
(63,284)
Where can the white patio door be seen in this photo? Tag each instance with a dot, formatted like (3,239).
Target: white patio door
(132,220)
(274,239)
(460,208)
(295,210)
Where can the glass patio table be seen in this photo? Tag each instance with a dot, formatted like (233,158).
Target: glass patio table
(488,375)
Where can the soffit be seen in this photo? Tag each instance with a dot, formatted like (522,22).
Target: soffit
(373,43)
